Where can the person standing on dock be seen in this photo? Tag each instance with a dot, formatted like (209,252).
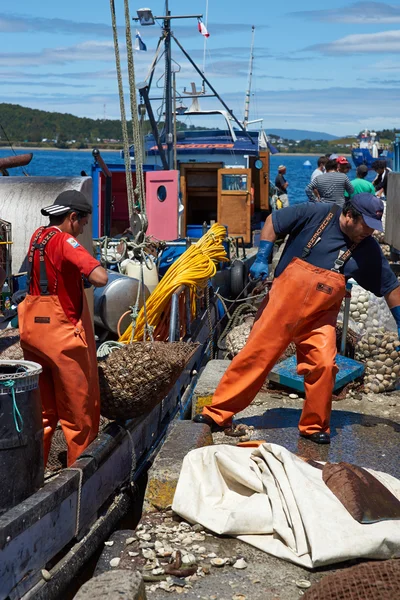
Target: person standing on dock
(330,186)
(282,185)
(320,168)
(360,184)
(327,245)
(343,165)
(55,324)
(380,182)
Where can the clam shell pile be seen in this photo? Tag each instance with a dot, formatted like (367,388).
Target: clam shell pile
(382,360)
(377,345)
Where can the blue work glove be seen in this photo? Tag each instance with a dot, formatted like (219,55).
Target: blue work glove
(259,269)
(396,313)
(86,282)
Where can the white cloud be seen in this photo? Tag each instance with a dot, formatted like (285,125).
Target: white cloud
(362,43)
(375,13)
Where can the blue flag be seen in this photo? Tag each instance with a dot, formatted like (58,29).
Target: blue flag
(140,46)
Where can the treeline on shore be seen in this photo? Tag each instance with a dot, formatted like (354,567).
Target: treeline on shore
(31,127)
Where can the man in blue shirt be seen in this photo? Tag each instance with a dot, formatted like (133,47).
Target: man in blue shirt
(326,246)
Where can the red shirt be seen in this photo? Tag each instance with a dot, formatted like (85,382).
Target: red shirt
(66,261)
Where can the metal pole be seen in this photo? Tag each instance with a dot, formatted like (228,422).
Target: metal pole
(212,88)
(346,315)
(174,318)
(169,138)
(174,104)
(247,98)
(145,95)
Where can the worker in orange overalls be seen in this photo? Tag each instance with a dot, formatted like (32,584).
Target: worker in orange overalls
(55,324)
(326,246)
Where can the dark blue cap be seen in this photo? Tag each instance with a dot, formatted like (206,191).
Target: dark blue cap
(371,207)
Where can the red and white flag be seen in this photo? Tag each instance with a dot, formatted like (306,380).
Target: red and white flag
(203,29)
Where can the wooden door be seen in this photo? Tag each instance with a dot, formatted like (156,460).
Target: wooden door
(261,181)
(235,201)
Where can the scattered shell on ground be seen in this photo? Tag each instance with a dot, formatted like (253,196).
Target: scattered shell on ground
(218,562)
(109,543)
(188,559)
(303,584)
(158,571)
(46,574)
(201,550)
(212,555)
(146,537)
(148,553)
(130,540)
(198,537)
(240,564)
(186,541)
(114,562)
(293,396)
(239,597)
(133,553)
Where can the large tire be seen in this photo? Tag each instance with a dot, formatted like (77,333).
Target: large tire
(238,279)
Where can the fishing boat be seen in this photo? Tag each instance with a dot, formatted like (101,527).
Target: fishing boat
(46,539)
(369,149)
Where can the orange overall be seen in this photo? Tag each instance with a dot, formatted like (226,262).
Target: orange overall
(302,307)
(69,385)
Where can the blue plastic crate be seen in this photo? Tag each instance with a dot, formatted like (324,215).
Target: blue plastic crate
(285,372)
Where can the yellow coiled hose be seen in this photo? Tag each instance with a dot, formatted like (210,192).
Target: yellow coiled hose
(193,269)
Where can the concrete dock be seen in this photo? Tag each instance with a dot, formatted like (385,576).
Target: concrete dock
(365,431)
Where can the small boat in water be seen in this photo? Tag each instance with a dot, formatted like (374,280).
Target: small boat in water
(370,149)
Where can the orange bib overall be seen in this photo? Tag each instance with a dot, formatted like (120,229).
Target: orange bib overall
(302,307)
(69,385)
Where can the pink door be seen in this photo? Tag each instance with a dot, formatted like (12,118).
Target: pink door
(162,204)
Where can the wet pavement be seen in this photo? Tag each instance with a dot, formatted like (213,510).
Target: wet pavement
(364,440)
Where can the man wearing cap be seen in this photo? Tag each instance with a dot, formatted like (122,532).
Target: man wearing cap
(55,324)
(282,185)
(343,165)
(327,245)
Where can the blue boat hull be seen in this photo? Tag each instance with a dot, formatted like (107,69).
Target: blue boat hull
(362,156)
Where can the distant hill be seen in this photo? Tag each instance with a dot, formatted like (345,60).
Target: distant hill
(300,134)
(28,125)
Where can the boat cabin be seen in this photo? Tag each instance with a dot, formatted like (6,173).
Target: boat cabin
(178,202)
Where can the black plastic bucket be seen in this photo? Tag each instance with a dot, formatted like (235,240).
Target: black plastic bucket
(21,432)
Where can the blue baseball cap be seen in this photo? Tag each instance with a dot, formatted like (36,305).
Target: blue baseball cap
(371,207)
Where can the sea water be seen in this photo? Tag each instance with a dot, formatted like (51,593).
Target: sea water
(70,163)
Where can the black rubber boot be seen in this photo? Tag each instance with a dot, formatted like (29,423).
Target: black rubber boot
(206,420)
(320,437)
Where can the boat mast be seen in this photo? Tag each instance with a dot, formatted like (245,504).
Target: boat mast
(247,97)
(169,137)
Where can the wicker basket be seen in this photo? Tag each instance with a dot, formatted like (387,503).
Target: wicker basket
(10,348)
(134,379)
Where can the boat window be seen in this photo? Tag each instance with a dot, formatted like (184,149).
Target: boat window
(161,193)
(236,183)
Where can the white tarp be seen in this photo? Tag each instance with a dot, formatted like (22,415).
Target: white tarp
(273,500)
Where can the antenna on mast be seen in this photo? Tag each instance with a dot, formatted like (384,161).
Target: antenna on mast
(247,97)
